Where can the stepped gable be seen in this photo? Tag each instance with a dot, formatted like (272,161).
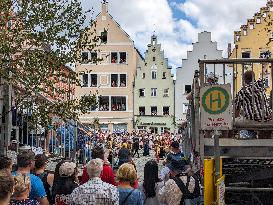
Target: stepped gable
(258,18)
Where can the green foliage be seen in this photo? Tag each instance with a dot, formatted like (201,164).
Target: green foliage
(33,36)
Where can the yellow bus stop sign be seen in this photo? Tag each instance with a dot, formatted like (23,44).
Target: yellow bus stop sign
(215,100)
(216,107)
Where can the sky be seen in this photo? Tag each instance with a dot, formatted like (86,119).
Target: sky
(178,22)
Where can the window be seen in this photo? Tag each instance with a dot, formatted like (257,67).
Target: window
(84,80)
(166,110)
(114,80)
(265,54)
(185,108)
(246,54)
(103,36)
(164,75)
(94,80)
(122,80)
(118,103)
(141,110)
(143,75)
(142,92)
(153,110)
(153,74)
(104,103)
(187,89)
(93,57)
(114,57)
(118,57)
(85,57)
(153,58)
(265,77)
(166,92)
(258,20)
(244,32)
(122,57)
(251,26)
(153,92)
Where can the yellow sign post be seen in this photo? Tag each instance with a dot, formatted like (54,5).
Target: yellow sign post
(220,191)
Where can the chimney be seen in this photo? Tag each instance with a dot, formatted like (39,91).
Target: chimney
(229,50)
(104,7)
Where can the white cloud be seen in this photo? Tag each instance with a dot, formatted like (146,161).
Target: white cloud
(221,17)
(139,18)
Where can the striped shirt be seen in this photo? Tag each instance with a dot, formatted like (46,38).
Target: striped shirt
(253,108)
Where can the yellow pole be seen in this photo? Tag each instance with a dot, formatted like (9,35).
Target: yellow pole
(209,185)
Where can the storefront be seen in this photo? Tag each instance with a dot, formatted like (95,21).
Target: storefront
(154,127)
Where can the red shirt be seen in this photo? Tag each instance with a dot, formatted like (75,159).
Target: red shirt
(107,175)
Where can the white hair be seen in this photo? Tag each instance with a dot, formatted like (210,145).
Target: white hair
(94,168)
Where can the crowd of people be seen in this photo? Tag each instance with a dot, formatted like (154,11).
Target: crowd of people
(104,180)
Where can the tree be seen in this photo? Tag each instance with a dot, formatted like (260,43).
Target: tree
(37,38)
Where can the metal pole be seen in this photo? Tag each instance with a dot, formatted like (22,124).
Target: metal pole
(217,134)
(6,127)
(64,144)
(75,141)
(69,144)
(52,141)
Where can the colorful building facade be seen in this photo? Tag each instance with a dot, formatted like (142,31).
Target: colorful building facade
(255,40)
(154,92)
(111,78)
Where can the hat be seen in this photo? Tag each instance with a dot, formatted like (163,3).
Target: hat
(175,144)
(67,169)
(176,163)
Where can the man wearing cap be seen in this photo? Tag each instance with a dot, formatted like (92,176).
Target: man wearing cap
(25,162)
(175,156)
(181,188)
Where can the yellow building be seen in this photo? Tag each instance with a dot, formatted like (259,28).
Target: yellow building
(111,78)
(254,40)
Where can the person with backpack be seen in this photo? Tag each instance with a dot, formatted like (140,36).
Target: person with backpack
(181,188)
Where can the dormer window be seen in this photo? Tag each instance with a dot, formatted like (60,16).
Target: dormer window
(251,26)
(103,36)
(258,20)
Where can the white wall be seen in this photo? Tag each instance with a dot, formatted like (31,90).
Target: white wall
(203,49)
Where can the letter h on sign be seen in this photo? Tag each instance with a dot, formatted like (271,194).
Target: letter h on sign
(215,100)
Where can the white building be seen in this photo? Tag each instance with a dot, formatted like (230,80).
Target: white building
(203,49)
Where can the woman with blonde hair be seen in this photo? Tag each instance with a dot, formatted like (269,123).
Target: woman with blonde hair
(127,175)
(6,187)
(21,191)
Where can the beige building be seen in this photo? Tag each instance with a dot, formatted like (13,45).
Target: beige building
(255,40)
(112,78)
